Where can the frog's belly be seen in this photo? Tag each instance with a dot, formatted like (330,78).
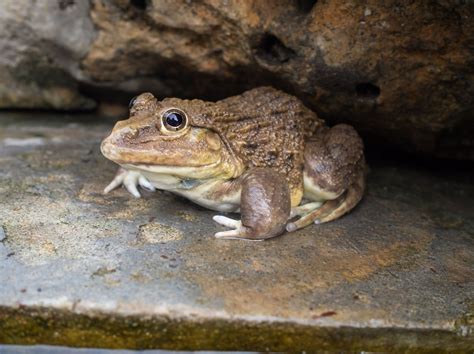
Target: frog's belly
(217,195)
(212,194)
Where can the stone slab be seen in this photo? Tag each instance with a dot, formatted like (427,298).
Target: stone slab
(79,268)
(48,349)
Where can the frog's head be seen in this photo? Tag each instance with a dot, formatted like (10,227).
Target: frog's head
(160,137)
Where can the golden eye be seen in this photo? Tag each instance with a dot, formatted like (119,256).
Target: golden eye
(174,119)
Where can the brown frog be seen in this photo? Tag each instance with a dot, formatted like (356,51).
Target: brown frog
(261,154)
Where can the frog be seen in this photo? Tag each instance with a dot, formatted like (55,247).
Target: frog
(261,154)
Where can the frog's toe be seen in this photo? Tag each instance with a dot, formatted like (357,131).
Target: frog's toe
(236,234)
(117,181)
(227,222)
(144,183)
(290,227)
(236,225)
(130,182)
(230,234)
(304,209)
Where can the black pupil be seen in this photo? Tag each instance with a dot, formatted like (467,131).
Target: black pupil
(174,119)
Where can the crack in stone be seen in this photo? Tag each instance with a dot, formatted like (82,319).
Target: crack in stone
(3,234)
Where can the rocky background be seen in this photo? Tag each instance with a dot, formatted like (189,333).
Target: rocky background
(402,72)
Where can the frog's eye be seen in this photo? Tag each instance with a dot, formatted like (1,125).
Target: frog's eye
(174,120)
(132,102)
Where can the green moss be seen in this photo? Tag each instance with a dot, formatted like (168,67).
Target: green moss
(41,326)
(465,324)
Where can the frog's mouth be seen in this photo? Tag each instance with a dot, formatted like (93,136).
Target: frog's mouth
(183,172)
(130,160)
(139,157)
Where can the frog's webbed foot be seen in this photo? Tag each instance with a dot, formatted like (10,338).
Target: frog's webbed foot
(237,231)
(264,204)
(131,180)
(227,222)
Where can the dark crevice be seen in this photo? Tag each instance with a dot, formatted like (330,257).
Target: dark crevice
(64,4)
(3,234)
(306,5)
(367,90)
(272,50)
(139,4)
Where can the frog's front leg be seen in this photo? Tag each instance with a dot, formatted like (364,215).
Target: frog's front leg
(130,179)
(265,207)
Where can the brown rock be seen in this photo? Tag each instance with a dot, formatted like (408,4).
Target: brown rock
(402,72)
(41,46)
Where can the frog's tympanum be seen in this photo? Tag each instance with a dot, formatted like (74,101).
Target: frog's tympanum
(262,154)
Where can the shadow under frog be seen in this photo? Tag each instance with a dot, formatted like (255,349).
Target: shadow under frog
(262,154)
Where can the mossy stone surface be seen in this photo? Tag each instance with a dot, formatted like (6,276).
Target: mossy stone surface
(78,268)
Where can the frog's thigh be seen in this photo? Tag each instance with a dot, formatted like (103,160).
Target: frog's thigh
(265,207)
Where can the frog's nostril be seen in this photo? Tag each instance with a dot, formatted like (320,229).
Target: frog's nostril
(139,135)
(134,134)
(128,133)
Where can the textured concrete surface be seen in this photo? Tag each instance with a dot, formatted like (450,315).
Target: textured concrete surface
(79,268)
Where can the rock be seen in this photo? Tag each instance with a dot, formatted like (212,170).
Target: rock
(402,74)
(42,45)
(79,268)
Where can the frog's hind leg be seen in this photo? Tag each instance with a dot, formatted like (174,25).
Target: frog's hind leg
(312,216)
(332,209)
(351,198)
(334,172)
(304,209)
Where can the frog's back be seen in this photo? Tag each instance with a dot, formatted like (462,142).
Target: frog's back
(266,128)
